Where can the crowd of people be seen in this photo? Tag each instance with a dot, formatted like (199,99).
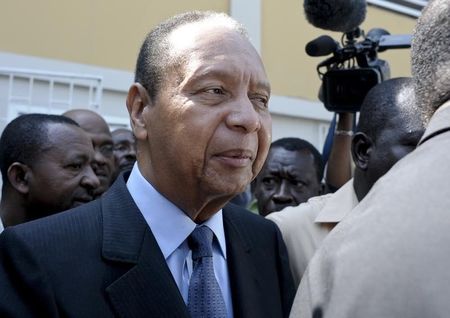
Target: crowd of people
(52,163)
(138,223)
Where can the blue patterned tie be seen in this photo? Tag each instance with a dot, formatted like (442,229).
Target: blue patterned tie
(205,297)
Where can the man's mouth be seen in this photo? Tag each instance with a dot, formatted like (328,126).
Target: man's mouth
(278,206)
(82,200)
(236,157)
(102,175)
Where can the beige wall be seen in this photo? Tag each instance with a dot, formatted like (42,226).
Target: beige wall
(286,32)
(102,38)
(106,33)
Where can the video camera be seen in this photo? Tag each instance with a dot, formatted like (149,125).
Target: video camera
(354,68)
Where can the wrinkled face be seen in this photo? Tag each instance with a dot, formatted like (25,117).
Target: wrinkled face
(288,178)
(209,129)
(104,163)
(124,149)
(62,176)
(400,136)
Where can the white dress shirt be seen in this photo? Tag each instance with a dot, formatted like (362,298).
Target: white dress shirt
(171,228)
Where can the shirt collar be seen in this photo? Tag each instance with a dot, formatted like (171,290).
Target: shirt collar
(162,216)
(438,122)
(339,205)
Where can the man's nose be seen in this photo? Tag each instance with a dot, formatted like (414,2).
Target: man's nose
(99,159)
(244,116)
(283,194)
(131,153)
(90,180)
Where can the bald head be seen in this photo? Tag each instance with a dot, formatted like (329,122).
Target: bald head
(388,102)
(154,57)
(90,121)
(390,127)
(104,163)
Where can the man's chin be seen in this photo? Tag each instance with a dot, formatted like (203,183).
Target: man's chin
(100,190)
(77,203)
(225,184)
(126,167)
(103,179)
(278,207)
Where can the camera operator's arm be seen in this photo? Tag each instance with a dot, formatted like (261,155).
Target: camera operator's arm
(339,169)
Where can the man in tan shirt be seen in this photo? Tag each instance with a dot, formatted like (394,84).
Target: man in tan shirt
(389,257)
(390,126)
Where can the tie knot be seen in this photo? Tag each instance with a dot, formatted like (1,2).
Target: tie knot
(200,242)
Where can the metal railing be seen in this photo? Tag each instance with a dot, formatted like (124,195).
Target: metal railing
(38,89)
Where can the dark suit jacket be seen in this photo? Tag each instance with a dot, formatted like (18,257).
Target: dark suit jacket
(102,260)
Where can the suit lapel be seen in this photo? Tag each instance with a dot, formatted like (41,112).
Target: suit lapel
(243,271)
(148,288)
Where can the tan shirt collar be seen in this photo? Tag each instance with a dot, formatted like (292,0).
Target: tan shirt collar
(439,122)
(339,205)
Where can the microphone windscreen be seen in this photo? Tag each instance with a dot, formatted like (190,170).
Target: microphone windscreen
(335,15)
(321,46)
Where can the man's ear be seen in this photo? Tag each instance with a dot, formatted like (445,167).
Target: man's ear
(362,146)
(18,176)
(137,100)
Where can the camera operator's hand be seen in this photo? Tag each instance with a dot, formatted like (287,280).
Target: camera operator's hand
(339,169)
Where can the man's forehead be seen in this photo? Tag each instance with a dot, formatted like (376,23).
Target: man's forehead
(100,138)
(89,121)
(65,137)
(60,132)
(280,154)
(95,126)
(186,34)
(210,33)
(122,136)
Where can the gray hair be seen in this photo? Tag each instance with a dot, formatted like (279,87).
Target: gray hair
(431,56)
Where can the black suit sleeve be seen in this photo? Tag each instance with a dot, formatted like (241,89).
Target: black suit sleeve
(24,288)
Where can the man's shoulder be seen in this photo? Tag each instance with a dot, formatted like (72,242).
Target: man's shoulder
(60,226)
(305,213)
(240,214)
(84,221)
(249,226)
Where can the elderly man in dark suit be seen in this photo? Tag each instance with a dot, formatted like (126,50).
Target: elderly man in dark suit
(162,241)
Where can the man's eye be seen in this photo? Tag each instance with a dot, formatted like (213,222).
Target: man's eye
(121,148)
(216,91)
(75,166)
(106,150)
(268,181)
(298,183)
(260,101)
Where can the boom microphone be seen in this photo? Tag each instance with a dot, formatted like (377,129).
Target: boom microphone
(335,15)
